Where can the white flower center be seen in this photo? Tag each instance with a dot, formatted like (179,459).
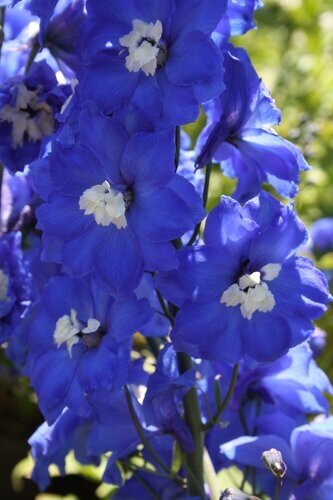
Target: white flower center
(251,292)
(29,116)
(68,327)
(143,46)
(106,204)
(4,284)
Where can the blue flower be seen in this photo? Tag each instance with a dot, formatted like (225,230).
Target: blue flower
(17,293)
(245,293)
(50,444)
(17,200)
(44,9)
(290,390)
(79,343)
(239,137)
(62,36)
(28,105)
(158,55)
(321,235)
(238,18)
(165,389)
(114,203)
(307,455)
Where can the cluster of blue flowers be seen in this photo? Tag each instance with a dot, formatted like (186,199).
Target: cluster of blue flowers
(176,343)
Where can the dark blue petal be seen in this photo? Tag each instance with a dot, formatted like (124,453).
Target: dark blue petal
(107,81)
(194,60)
(119,259)
(228,224)
(195,15)
(62,218)
(148,161)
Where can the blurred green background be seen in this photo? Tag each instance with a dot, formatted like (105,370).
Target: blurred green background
(292,50)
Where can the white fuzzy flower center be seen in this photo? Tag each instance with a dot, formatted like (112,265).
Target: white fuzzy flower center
(106,204)
(252,292)
(4,284)
(29,117)
(68,327)
(143,46)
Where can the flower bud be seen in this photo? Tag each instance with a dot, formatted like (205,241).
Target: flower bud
(273,461)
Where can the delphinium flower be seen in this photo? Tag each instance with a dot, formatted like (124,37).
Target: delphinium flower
(165,389)
(17,292)
(108,428)
(159,325)
(245,293)
(321,235)
(18,30)
(115,205)
(79,343)
(307,455)
(239,135)
(50,445)
(318,342)
(44,9)
(62,36)
(290,389)
(158,55)
(238,18)
(18,200)
(28,105)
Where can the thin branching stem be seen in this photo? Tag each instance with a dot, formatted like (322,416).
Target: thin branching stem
(204,203)
(177,141)
(216,417)
(137,424)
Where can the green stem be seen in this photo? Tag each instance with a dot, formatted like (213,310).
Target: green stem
(194,460)
(211,477)
(164,307)
(278,489)
(177,140)
(134,468)
(225,402)
(204,203)
(145,442)
(33,52)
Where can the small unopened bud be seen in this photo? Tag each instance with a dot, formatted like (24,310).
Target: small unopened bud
(234,494)
(274,462)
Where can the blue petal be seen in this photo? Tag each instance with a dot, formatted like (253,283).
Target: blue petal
(106,139)
(107,81)
(269,336)
(195,15)
(73,170)
(160,215)
(207,327)
(158,256)
(148,161)
(62,218)
(79,254)
(180,104)
(281,231)
(282,161)
(227,224)
(195,60)
(127,316)
(119,259)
